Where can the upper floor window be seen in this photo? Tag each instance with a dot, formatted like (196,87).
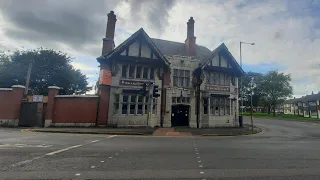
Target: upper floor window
(216,78)
(137,72)
(181,78)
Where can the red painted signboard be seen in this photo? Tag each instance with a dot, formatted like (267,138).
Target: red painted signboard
(105,77)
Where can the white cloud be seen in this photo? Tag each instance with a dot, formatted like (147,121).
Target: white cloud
(84,67)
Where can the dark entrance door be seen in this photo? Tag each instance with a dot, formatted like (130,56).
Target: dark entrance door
(180,115)
(31,114)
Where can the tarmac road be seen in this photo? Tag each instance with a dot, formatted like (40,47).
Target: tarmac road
(286,150)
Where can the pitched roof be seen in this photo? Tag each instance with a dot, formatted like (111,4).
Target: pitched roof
(140,33)
(215,52)
(289,101)
(311,97)
(177,48)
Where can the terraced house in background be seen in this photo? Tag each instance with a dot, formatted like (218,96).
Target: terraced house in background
(198,87)
(307,106)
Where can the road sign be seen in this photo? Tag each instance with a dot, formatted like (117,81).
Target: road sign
(37,98)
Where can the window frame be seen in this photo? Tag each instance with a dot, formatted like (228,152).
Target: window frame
(181,78)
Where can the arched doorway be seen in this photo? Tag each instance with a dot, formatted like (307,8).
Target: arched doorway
(179,115)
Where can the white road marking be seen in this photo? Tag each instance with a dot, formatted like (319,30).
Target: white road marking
(62,150)
(52,153)
(92,167)
(78,174)
(26,161)
(198,157)
(201,172)
(95,141)
(200,166)
(102,161)
(110,157)
(199,161)
(24,145)
(197,153)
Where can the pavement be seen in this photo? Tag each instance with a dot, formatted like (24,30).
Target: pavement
(177,131)
(95,130)
(285,150)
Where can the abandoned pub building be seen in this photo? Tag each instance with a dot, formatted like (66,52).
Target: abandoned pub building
(198,87)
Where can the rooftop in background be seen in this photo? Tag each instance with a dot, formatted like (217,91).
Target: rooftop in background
(310,97)
(169,48)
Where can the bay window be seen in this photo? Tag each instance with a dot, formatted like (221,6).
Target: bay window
(218,106)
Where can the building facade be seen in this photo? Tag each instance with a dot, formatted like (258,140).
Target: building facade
(306,106)
(198,87)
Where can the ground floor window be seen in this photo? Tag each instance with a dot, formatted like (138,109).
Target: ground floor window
(217,106)
(132,104)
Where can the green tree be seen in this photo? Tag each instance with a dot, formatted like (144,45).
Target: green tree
(252,85)
(49,68)
(275,88)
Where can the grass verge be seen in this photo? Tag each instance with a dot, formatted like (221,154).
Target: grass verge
(282,116)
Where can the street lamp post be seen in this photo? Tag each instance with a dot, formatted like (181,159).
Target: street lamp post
(251,106)
(241,90)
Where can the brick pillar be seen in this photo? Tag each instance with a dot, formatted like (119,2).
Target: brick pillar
(17,97)
(103,110)
(52,92)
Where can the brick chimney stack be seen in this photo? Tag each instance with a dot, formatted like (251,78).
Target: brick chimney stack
(191,39)
(108,41)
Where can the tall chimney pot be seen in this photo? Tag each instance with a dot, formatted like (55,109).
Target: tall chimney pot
(191,39)
(108,41)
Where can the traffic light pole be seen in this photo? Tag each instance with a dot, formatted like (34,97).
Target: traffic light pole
(150,103)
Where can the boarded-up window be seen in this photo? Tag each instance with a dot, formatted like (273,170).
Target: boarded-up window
(145,51)
(131,71)
(145,72)
(134,49)
(151,73)
(222,79)
(215,61)
(124,71)
(224,62)
(138,72)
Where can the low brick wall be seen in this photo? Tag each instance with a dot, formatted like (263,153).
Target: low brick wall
(70,110)
(10,104)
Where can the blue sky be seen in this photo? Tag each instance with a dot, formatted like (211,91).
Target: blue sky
(286,32)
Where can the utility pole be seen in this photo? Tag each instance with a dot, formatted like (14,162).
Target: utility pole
(241,88)
(251,112)
(251,104)
(198,104)
(28,78)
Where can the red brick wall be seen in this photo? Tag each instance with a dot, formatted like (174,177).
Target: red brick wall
(75,109)
(10,103)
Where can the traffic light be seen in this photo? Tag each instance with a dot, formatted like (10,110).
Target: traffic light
(155,91)
(143,90)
